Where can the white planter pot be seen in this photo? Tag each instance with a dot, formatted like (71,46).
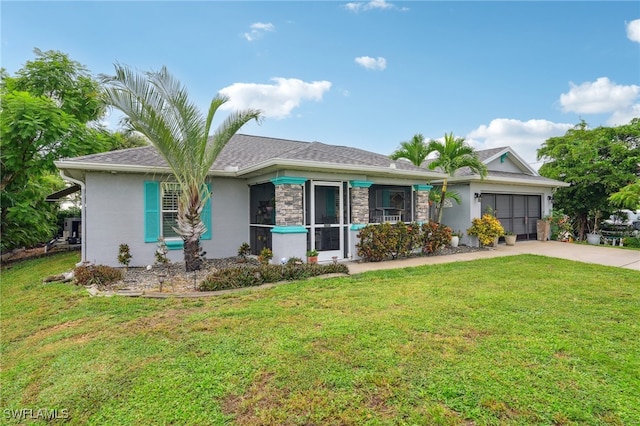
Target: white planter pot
(593,239)
(510,240)
(455,240)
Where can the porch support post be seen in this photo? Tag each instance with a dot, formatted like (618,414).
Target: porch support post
(422,202)
(289,236)
(360,201)
(359,213)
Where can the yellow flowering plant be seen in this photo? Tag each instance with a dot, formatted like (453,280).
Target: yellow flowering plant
(487,229)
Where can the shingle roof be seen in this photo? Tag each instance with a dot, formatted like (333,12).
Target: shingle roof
(244,151)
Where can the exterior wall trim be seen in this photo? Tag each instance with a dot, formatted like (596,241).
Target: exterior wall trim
(422,187)
(289,180)
(360,183)
(295,229)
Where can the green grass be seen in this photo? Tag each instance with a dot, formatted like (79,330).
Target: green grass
(512,340)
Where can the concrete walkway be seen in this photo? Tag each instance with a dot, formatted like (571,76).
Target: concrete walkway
(602,255)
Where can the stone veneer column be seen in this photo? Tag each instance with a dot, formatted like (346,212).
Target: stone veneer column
(360,201)
(289,204)
(289,236)
(422,202)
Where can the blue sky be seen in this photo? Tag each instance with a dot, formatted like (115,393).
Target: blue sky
(365,74)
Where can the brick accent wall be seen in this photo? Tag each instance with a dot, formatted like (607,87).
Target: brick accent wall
(289,205)
(359,205)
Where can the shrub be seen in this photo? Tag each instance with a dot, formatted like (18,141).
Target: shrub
(631,242)
(434,236)
(294,261)
(244,251)
(248,276)
(99,275)
(487,229)
(379,242)
(265,255)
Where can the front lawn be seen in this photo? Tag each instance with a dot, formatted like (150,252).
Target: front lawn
(511,340)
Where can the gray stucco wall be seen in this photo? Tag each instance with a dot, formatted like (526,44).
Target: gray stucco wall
(459,216)
(115,214)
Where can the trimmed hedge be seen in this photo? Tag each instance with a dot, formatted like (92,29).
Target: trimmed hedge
(250,276)
(387,241)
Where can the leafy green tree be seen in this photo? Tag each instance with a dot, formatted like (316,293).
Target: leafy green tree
(452,155)
(157,106)
(47,111)
(414,150)
(596,163)
(628,197)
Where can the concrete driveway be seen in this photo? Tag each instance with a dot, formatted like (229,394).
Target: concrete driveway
(602,255)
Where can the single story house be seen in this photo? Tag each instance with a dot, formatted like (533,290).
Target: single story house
(513,191)
(286,195)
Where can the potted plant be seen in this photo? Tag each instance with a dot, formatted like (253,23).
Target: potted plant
(510,238)
(593,236)
(543,228)
(455,238)
(487,228)
(312,256)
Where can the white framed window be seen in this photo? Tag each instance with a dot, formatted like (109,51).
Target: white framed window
(170,195)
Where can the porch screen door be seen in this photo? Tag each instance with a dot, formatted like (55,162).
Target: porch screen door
(327,219)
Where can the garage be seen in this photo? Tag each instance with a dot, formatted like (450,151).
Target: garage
(517,213)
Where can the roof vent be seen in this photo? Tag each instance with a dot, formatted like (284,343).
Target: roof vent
(392,165)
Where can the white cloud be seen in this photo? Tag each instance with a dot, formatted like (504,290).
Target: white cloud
(370,5)
(624,116)
(370,63)
(633,30)
(275,100)
(525,137)
(599,97)
(257,30)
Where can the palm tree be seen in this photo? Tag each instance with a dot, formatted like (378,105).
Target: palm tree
(157,106)
(453,154)
(414,150)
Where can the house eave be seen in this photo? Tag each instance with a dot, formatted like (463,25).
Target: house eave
(128,168)
(506,180)
(257,169)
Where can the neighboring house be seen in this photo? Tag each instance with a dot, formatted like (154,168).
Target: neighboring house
(282,194)
(512,190)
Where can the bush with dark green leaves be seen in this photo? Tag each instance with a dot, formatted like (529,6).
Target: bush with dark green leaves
(249,276)
(631,242)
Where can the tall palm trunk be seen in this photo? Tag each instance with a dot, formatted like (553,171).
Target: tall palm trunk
(190,225)
(442,198)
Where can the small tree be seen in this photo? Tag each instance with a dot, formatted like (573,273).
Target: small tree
(124,255)
(162,253)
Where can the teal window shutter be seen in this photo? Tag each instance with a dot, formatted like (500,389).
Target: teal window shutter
(206,216)
(151,211)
